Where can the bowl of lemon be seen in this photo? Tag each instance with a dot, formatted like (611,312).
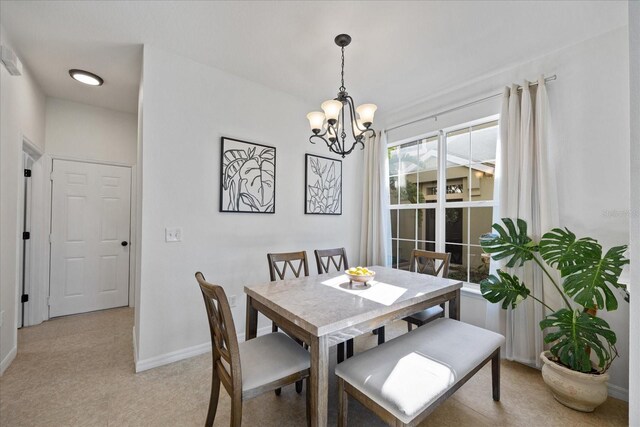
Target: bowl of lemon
(360,274)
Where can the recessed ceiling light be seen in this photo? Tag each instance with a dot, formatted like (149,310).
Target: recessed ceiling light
(86,77)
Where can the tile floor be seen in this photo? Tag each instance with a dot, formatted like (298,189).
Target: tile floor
(78,371)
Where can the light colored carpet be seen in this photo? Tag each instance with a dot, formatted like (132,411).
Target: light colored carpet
(78,371)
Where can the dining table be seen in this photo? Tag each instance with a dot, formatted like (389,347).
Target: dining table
(328,309)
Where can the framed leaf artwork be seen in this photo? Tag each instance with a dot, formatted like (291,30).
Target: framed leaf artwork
(248,177)
(323,185)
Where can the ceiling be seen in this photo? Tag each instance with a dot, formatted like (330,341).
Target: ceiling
(401,51)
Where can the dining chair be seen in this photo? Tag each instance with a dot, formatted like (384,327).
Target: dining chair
(434,264)
(325,258)
(250,368)
(279,263)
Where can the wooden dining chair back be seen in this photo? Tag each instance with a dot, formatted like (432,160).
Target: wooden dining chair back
(295,261)
(224,342)
(325,258)
(272,360)
(433,264)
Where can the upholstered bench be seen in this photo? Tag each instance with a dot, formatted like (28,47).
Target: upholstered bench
(405,379)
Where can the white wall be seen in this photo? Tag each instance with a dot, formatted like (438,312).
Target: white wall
(590,113)
(634,331)
(22,112)
(187,108)
(84,132)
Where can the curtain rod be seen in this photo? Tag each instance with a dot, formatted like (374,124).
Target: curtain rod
(460,107)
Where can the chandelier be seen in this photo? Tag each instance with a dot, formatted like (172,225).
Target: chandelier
(333,131)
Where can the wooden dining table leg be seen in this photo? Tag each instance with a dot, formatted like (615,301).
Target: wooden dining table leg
(454,306)
(319,381)
(251,321)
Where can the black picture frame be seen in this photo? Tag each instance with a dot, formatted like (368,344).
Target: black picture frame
(322,185)
(247,177)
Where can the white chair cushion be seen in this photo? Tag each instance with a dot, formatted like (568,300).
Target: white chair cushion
(427,314)
(270,357)
(407,374)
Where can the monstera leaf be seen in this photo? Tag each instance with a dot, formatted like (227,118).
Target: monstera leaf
(589,280)
(511,243)
(560,248)
(576,332)
(505,288)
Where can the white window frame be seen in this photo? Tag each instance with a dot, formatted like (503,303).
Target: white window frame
(441,203)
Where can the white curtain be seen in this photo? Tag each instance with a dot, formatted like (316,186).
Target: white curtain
(375,232)
(525,187)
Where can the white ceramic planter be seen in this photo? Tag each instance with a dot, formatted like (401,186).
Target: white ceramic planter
(579,391)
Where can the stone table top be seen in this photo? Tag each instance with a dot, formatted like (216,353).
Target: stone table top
(326,303)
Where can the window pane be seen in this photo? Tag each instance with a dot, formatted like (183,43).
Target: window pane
(456,225)
(393,190)
(427,186)
(428,154)
(393,160)
(458,265)
(408,188)
(408,158)
(407,224)
(404,256)
(394,253)
(482,181)
(427,224)
(458,148)
(394,224)
(484,139)
(479,264)
(480,223)
(427,246)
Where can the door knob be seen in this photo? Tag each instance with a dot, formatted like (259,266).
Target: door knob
(124,243)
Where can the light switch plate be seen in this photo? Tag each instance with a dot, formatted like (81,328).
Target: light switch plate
(173,234)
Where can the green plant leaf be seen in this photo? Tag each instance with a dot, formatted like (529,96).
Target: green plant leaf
(504,287)
(559,248)
(576,332)
(511,243)
(589,279)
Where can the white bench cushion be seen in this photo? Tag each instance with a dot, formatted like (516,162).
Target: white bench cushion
(270,357)
(407,374)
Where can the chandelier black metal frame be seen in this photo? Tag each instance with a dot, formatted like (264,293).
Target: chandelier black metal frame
(333,131)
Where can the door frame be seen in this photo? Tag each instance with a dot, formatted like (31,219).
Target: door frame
(49,158)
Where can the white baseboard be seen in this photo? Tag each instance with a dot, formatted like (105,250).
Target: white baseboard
(185,353)
(135,346)
(8,359)
(618,392)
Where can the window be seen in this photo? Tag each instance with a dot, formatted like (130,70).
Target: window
(441,196)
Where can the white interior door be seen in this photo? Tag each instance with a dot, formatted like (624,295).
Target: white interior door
(90,227)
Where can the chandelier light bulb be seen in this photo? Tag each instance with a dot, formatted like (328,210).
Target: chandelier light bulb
(332,110)
(316,120)
(366,112)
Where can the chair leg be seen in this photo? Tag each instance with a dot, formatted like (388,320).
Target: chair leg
(349,348)
(343,404)
(274,327)
(308,402)
(495,375)
(381,335)
(213,400)
(340,351)
(236,412)
(409,326)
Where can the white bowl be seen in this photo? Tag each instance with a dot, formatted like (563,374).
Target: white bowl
(359,278)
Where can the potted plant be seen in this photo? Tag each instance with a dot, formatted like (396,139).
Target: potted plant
(575,334)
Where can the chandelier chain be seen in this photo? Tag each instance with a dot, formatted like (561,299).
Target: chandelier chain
(342,88)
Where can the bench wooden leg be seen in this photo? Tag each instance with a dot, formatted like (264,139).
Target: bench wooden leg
(495,375)
(343,404)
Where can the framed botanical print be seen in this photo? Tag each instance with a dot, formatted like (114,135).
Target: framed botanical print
(323,185)
(248,177)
